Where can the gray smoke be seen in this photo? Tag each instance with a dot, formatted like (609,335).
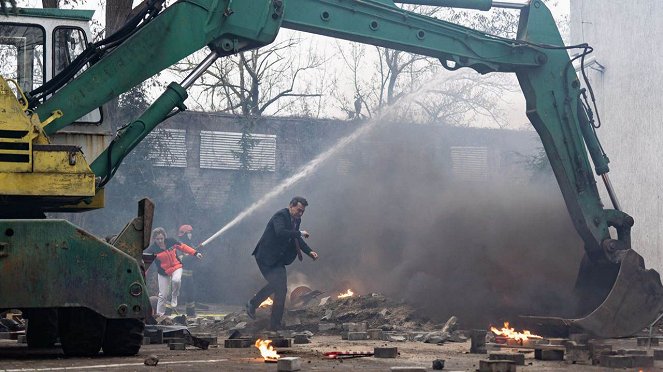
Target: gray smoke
(389,216)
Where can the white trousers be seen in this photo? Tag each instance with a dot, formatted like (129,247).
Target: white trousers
(167,284)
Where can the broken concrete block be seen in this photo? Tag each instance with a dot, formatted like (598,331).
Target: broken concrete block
(155,335)
(517,358)
(658,354)
(328,315)
(646,341)
(146,340)
(626,361)
(408,369)
(357,336)
(579,338)
(375,334)
(324,300)
(288,364)
(478,341)
(22,339)
(302,339)
(548,354)
(631,352)
(385,352)
(151,360)
(384,312)
(497,366)
(237,343)
(344,335)
(323,327)
(5,336)
(642,361)
(438,364)
(282,342)
(578,354)
(177,346)
(596,349)
(212,340)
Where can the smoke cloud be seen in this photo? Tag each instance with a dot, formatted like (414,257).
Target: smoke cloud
(388,215)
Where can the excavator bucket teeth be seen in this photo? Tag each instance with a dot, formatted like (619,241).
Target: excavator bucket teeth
(632,304)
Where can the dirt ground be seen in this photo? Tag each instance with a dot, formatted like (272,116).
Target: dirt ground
(16,357)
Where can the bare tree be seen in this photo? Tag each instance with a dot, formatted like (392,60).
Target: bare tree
(250,83)
(450,97)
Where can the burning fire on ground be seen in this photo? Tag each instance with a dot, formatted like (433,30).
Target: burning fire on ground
(349,293)
(511,333)
(267,303)
(267,351)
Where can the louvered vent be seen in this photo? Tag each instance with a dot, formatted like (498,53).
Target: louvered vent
(167,148)
(220,150)
(469,163)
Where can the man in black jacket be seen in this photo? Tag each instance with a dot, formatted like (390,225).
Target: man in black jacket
(279,245)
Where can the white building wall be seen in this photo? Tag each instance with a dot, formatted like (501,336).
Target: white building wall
(627,38)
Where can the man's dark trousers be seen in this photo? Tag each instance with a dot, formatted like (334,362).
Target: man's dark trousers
(277,283)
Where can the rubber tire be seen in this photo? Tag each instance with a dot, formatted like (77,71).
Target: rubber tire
(124,337)
(42,330)
(81,331)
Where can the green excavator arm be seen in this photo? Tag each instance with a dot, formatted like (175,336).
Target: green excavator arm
(613,284)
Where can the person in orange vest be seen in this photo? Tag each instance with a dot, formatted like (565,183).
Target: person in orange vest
(185,235)
(169,266)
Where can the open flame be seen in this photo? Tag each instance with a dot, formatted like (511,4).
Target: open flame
(512,334)
(349,293)
(267,351)
(267,303)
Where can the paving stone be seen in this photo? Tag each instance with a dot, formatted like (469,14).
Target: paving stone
(375,334)
(646,341)
(408,369)
(177,346)
(288,364)
(282,342)
(302,339)
(631,352)
(357,336)
(578,354)
(548,354)
(385,352)
(155,335)
(497,366)
(517,358)
(597,349)
(478,341)
(236,343)
(438,364)
(658,354)
(626,361)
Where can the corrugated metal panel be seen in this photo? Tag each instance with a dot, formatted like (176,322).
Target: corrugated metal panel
(469,163)
(218,151)
(167,147)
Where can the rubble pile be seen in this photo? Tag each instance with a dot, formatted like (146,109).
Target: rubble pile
(357,317)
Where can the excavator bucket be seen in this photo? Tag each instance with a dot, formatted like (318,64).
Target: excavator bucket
(632,299)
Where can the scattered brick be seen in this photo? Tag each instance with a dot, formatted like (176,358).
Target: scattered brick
(438,364)
(517,358)
(497,366)
(385,352)
(288,364)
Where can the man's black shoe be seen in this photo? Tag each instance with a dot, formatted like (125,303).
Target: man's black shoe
(250,310)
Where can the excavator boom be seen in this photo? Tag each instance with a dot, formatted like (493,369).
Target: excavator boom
(618,296)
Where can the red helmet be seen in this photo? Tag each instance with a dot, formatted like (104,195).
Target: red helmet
(184,229)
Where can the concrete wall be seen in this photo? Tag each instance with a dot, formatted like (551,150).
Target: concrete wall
(626,36)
